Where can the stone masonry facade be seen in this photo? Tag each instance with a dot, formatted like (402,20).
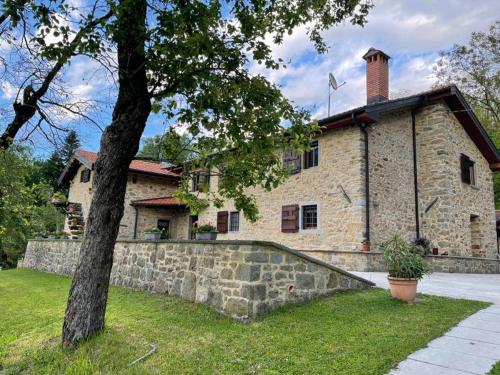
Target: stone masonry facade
(238,278)
(457,218)
(341,216)
(460,223)
(139,186)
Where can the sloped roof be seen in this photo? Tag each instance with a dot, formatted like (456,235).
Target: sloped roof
(88,158)
(167,201)
(453,98)
(135,165)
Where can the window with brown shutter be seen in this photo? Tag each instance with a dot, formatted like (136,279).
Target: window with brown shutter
(290,218)
(222,221)
(292,161)
(85,175)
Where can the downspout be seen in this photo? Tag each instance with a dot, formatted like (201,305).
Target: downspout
(415,172)
(135,222)
(362,127)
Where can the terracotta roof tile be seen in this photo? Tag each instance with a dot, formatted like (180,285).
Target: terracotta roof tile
(163,201)
(135,165)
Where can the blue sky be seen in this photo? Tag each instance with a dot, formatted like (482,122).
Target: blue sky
(411,32)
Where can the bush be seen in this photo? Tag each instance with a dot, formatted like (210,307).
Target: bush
(152,230)
(402,259)
(205,228)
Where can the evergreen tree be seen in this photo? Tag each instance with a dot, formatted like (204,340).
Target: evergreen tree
(71,143)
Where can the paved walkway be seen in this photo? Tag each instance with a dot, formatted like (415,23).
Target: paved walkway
(471,347)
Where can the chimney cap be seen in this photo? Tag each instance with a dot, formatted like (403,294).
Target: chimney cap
(372,52)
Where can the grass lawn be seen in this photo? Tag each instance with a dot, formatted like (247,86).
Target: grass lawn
(495,370)
(363,332)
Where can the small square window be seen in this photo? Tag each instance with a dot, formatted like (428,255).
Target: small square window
(310,216)
(234,221)
(201,182)
(311,157)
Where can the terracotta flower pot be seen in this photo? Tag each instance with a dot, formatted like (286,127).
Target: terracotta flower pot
(403,289)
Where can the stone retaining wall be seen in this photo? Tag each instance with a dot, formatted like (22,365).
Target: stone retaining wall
(374,262)
(239,278)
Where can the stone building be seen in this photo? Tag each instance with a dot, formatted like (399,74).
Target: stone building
(420,166)
(145,181)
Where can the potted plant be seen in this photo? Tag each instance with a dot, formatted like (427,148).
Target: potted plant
(58,199)
(405,268)
(206,232)
(164,235)
(152,234)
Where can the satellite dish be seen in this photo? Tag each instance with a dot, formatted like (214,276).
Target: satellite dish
(332,84)
(333,81)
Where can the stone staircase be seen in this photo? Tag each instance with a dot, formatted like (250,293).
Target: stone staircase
(74,215)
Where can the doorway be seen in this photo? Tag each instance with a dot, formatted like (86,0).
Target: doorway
(193,223)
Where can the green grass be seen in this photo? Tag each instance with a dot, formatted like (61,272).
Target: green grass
(364,332)
(495,370)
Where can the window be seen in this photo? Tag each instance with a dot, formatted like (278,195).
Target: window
(292,161)
(311,157)
(201,181)
(310,216)
(163,224)
(85,175)
(234,221)
(468,170)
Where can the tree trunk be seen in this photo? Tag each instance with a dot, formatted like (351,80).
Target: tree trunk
(89,290)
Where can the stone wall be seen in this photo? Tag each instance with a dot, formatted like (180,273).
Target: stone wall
(144,187)
(392,192)
(440,141)
(374,262)
(178,218)
(340,219)
(238,278)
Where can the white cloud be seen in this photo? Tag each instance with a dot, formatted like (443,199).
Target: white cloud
(411,32)
(9,91)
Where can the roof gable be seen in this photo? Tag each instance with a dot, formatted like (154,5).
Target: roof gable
(89,158)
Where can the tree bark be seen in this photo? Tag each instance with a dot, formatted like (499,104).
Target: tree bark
(27,109)
(120,142)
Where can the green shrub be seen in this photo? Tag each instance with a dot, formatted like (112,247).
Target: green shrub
(402,259)
(152,230)
(205,228)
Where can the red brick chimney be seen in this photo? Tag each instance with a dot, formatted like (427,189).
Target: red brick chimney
(377,76)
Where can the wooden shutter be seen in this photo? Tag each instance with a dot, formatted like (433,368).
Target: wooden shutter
(292,161)
(222,217)
(85,175)
(465,164)
(290,218)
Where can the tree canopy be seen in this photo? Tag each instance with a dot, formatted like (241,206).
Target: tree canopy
(475,69)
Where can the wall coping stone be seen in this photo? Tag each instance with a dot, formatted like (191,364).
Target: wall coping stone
(371,252)
(240,242)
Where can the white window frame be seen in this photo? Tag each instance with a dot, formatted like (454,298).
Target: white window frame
(229,222)
(318,210)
